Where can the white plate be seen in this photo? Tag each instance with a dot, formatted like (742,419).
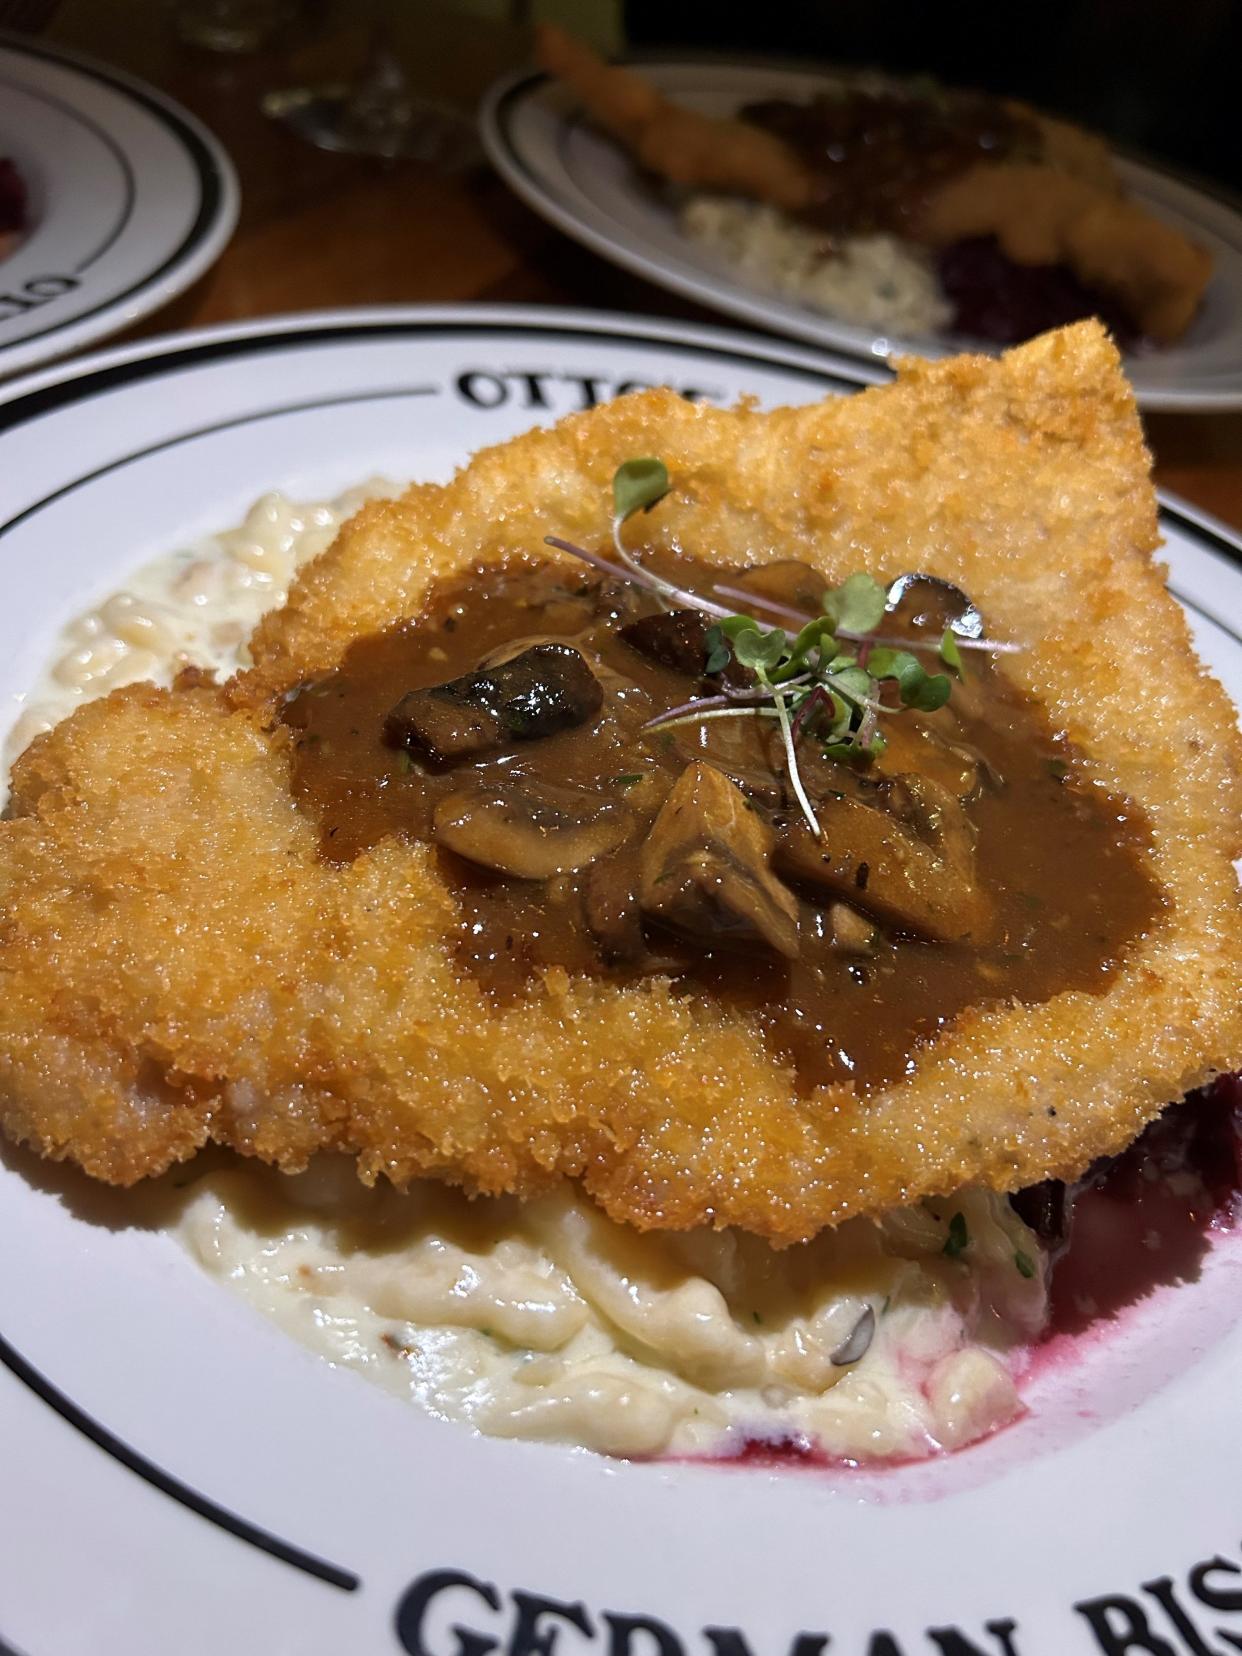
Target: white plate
(131,200)
(177,1475)
(583,182)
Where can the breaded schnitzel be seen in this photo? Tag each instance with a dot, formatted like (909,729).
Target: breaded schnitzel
(180,964)
(1045,190)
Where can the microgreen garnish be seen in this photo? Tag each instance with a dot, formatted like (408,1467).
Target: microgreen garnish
(958,1238)
(830,682)
(950,654)
(857,605)
(717,652)
(1025,1264)
(637,485)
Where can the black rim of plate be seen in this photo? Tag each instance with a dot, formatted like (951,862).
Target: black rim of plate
(157,363)
(502,104)
(202,157)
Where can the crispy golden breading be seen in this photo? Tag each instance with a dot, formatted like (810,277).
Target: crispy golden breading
(1041,216)
(1067,209)
(680,144)
(179,965)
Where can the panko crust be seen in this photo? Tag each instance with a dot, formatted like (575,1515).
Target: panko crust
(178,966)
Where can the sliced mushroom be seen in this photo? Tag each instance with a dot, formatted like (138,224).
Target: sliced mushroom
(933,812)
(706,870)
(852,933)
(914,872)
(610,907)
(918,745)
(529,830)
(546,688)
(678,639)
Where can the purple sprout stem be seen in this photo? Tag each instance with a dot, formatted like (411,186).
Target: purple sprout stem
(756,600)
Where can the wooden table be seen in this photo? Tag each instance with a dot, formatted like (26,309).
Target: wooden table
(321,230)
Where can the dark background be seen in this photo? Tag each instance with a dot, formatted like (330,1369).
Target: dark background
(1160,77)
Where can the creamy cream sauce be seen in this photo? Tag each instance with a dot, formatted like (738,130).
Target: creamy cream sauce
(545,1319)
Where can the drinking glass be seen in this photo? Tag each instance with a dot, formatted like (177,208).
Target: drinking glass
(378,113)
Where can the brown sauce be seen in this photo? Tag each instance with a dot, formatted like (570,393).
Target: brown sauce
(882,154)
(1061,863)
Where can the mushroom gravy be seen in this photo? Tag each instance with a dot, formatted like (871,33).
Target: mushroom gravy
(971,863)
(879,154)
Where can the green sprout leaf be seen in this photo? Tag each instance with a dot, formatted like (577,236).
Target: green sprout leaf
(932,693)
(855,684)
(816,635)
(857,605)
(733,625)
(1025,1264)
(918,688)
(958,1238)
(842,715)
(718,651)
(762,651)
(902,665)
(637,485)
(950,654)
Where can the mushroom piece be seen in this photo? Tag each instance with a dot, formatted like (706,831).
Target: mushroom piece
(913,871)
(610,907)
(529,830)
(852,933)
(918,746)
(706,867)
(678,639)
(546,688)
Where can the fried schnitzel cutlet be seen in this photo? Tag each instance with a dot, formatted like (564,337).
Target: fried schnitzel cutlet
(967,167)
(182,963)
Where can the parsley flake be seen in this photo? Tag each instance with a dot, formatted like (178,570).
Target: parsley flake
(958,1239)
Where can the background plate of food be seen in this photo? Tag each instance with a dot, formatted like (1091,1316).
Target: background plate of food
(550,1420)
(112,201)
(873,216)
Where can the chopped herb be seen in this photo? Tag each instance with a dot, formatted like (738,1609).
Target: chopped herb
(1058,769)
(629,779)
(756,1316)
(405,762)
(958,1238)
(1025,1264)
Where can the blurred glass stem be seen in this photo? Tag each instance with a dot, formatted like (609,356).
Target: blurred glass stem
(377,114)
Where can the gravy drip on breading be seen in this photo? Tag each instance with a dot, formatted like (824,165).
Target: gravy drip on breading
(999,873)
